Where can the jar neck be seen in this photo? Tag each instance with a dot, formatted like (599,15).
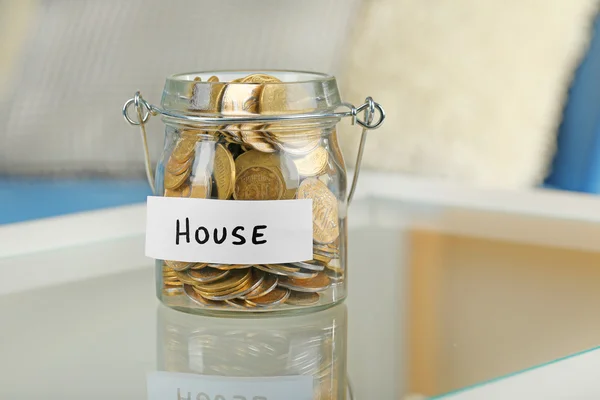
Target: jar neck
(306,127)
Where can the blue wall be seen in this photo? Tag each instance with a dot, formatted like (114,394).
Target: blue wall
(577,163)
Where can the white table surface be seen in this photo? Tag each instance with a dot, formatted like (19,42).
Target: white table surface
(94,336)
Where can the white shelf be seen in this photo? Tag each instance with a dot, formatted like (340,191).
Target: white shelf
(535,216)
(533,202)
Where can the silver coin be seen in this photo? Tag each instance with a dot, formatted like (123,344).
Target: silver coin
(333,254)
(270,283)
(237,303)
(309,266)
(179,265)
(303,274)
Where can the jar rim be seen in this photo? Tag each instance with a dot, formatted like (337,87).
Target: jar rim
(285,75)
(299,92)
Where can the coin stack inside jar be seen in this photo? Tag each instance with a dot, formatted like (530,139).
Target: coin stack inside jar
(257,162)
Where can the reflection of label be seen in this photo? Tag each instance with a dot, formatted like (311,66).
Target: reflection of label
(229,232)
(177,386)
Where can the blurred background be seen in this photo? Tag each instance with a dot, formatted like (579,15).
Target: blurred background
(493,94)
(493,118)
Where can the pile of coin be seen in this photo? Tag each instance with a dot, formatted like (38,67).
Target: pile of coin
(256,162)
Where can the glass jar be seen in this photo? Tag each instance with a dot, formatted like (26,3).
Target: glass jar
(312,346)
(247,145)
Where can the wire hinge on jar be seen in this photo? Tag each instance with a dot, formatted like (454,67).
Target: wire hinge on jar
(369,108)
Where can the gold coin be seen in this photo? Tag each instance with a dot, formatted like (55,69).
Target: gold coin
(167,271)
(185,278)
(263,146)
(249,136)
(178,265)
(316,284)
(174,181)
(206,275)
(198,266)
(259,78)
(270,270)
(255,158)
(232,132)
(302,298)
(266,286)
(275,297)
(240,99)
(184,149)
(213,79)
(273,99)
(326,256)
(172,283)
(232,279)
(259,183)
(226,267)
(266,268)
(280,162)
(176,167)
(224,172)
(321,258)
(283,267)
(314,163)
(226,294)
(325,248)
(198,299)
(247,286)
(182,191)
(324,210)
(252,135)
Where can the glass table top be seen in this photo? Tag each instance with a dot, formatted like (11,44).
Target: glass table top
(429,315)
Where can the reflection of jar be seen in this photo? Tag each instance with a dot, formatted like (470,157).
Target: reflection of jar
(245,136)
(309,344)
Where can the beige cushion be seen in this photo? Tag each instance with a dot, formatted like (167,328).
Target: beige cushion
(473,89)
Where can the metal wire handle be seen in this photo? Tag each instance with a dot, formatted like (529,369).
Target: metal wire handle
(144,110)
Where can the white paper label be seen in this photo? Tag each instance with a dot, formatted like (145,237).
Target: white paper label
(178,386)
(229,232)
